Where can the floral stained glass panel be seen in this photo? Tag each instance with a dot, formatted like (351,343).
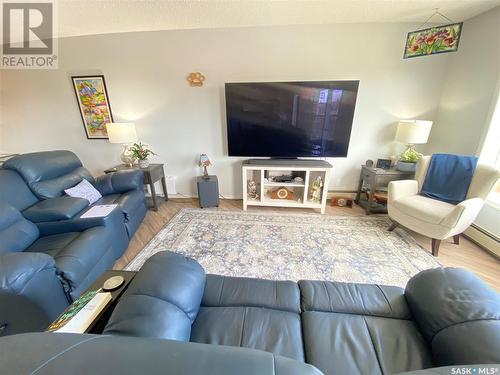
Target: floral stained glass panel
(440,39)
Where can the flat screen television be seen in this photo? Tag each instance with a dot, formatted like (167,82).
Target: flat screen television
(290,119)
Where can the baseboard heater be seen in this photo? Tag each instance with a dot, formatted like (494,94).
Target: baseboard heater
(486,240)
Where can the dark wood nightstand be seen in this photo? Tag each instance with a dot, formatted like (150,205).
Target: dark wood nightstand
(373,179)
(152,174)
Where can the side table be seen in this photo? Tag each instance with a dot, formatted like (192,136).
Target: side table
(102,319)
(376,178)
(152,174)
(208,191)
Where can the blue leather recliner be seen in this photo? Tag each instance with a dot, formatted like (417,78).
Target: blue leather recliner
(48,254)
(47,174)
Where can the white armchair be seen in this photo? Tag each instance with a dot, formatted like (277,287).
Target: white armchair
(433,218)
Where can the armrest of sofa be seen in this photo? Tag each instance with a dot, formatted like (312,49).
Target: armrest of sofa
(401,189)
(119,182)
(453,308)
(162,301)
(30,291)
(82,354)
(78,224)
(54,209)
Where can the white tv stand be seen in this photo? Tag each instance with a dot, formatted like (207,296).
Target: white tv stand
(262,171)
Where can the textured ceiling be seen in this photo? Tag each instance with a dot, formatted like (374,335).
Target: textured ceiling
(84,17)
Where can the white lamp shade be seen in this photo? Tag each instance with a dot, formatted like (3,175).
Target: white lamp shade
(121,132)
(413,131)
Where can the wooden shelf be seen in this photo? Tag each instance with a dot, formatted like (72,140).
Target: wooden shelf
(286,184)
(282,203)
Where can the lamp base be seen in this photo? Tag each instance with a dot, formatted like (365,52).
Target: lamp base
(205,173)
(127,156)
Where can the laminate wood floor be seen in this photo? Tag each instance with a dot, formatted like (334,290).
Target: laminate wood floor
(467,254)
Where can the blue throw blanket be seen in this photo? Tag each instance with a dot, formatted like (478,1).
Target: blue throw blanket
(448,177)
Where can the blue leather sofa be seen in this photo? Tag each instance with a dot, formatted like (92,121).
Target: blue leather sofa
(186,322)
(47,174)
(48,254)
(444,317)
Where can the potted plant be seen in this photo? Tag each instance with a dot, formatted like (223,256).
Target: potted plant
(141,152)
(408,160)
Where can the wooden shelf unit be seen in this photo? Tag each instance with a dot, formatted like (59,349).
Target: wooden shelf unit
(260,169)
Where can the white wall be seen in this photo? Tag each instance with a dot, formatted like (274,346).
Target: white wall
(471,88)
(145,74)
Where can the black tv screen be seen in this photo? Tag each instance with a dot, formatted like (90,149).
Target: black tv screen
(290,119)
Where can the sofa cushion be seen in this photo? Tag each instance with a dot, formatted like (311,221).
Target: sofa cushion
(53,244)
(162,301)
(75,254)
(422,208)
(120,181)
(275,331)
(351,298)
(14,191)
(233,313)
(340,344)
(241,291)
(55,209)
(16,233)
(84,190)
(454,308)
(49,173)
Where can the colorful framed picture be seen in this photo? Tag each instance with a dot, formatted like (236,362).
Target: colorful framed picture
(439,39)
(93,101)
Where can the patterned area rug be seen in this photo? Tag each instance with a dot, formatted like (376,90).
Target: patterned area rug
(292,246)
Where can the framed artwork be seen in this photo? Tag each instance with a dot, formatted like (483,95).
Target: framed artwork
(93,101)
(439,39)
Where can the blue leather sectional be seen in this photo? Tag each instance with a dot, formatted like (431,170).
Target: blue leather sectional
(186,322)
(48,254)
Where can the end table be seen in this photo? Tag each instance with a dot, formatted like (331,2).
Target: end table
(99,323)
(376,178)
(152,174)
(208,191)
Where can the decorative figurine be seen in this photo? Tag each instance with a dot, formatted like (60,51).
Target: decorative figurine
(205,162)
(252,190)
(316,190)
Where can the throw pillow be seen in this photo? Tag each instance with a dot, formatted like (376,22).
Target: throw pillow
(85,190)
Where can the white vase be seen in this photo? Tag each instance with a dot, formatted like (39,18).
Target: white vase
(143,163)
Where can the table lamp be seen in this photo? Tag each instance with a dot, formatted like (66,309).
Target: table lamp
(205,162)
(411,132)
(125,134)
